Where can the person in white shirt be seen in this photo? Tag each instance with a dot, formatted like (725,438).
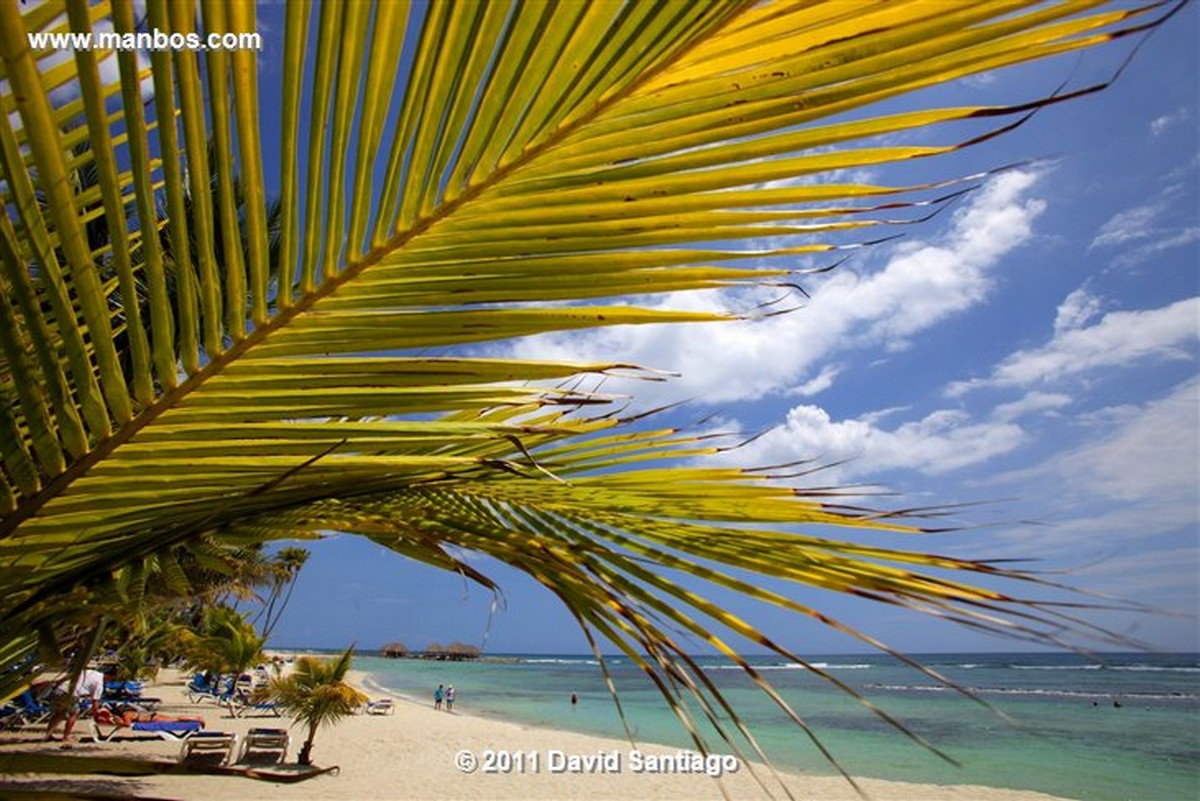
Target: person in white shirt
(89,685)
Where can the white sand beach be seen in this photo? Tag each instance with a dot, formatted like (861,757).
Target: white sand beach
(415,753)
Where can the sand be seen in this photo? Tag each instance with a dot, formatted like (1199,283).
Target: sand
(416,753)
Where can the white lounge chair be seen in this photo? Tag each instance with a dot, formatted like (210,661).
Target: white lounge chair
(205,745)
(265,742)
(383,706)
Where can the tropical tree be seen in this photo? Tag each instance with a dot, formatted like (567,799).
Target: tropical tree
(148,610)
(473,173)
(315,694)
(138,651)
(285,566)
(227,643)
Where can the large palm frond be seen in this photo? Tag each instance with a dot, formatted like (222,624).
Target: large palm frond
(474,172)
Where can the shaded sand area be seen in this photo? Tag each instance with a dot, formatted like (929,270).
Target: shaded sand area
(412,754)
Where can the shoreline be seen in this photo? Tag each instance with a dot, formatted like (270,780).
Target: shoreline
(416,753)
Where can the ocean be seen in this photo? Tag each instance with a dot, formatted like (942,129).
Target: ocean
(1124,727)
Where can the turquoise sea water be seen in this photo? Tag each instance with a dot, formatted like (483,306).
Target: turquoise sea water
(1127,727)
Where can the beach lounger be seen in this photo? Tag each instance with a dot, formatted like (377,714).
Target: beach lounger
(245,709)
(29,710)
(265,742)
(163,729)
(146,705)
(198,691)
(128,692)
(10,717)
(14,716)
(383,706)
(208,746)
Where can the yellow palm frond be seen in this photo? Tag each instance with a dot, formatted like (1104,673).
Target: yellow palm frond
(451,174)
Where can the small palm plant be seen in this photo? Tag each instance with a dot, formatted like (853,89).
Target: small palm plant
(315,693)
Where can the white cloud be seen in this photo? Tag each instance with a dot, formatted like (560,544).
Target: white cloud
(1128,225)
(942,441)
(1164,223)
(819,383)
(981,80)
(1032,403)
(950,439)
(1148,250)
(1136,475)
(1154,457)
(1075,312)
(1185,170)
(1119,339)
(1162,578)
(1160,124)
(920,285)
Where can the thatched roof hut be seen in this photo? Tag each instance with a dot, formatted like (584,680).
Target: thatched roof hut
(394,650)
(454,652)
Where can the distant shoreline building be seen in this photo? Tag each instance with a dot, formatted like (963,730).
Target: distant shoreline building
(454,652)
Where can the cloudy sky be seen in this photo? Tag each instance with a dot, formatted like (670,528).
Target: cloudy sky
(1031,350)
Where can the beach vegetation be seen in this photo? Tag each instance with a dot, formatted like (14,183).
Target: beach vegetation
(283,569)
(315,694)
(452,177)
(226,643)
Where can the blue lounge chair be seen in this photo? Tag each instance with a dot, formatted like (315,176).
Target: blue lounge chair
(128,692)
(27,710)
(163,729)
(199,690)
(241,707)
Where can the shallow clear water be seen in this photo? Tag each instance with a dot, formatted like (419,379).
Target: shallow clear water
(1127,728)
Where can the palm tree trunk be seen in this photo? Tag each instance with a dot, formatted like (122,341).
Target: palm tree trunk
(305,756)
(270,624)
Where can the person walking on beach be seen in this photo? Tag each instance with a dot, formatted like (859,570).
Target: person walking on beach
(437,697)
(450,698)
(90,685)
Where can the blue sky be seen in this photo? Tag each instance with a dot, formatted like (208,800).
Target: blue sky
(1033,348)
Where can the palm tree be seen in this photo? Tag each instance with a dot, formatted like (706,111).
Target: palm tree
(148,608)
(227,643)
(315,693)
(285,566)
(475,172)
